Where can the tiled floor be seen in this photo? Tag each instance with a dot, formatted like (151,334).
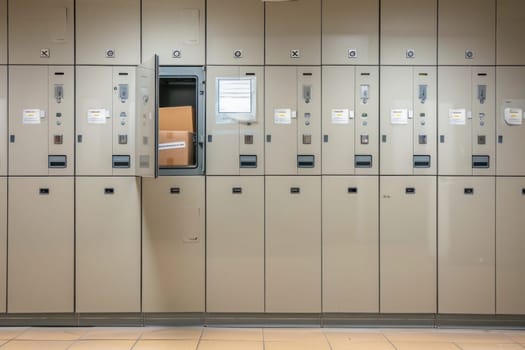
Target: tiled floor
(160,338)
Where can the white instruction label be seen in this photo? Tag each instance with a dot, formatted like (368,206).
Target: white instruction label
(172,145)
(457,116)
(282,116)
(399,116)
(340,116)
(513,116)
(97,116)
(32,116)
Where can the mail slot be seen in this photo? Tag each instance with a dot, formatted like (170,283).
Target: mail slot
(482,162)
(305,161)
(363,161)
(421,161)
(121,162)
(248,161)
(57,162)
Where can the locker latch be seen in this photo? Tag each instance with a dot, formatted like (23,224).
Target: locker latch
(59,92)
(12,138)
(480,162)
(123,139)
(54,161)
(43,191)
(58,139)
(248,139)
(482,139)
(422,93)
(295,190)
(237,190)
(410,190)
(365,88)
(365,139)
(422,139)
(352,189)
(248,161)
(109,190)
(307,139)
(468,190)
(307,93)
(482,93)
(175,190)
(123,92)
(305,161)
(421,161)
(363,161)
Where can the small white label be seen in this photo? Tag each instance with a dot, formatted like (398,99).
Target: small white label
(97,116)
(457,116)
(399,116)
(32,116)
(282,116)
(340,116)
(172,145)
(513,116)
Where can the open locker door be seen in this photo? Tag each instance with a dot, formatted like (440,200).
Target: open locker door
(147,118)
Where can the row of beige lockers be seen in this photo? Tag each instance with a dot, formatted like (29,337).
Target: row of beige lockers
(249,32)
(291,244)
(331,120)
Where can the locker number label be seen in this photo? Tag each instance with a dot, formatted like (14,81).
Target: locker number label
(97,116)
(282,116)
(342,116)
(399,116)
(457,116)
(513,116)
(32,116)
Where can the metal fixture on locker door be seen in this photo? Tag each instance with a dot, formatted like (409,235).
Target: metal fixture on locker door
(59,92)
(423,93)
(45,53)
(365,93)
(410,53)
(237,53)
(177,53)
(469,54)
(352,53)
(110,53)
(307,93)
(482,93)
(295,53)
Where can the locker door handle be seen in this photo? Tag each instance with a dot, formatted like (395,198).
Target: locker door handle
(295,190)
(12,138)
(468,190)
(500,138)
(109,190)
(307,93)
(352,189)
(482,93)
(237,190)
(175,190)
(79,138)
(44,191)
(422,93)
(523,191)
(410,190)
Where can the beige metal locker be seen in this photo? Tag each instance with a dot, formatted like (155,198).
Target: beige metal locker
(235,132)
(510,207)
(293,120)
(173,244)
(105,116)
(466,238)
(510,32)
(350,32)
(350,120)
(510,125)
(108,244)
(175,30)
(41,245)
(408,32)
(3,31)
(408,244)
(293,32)
(41,120)
(235,244)
(235,32)
(293,244)
(350,217)
(41,32)
(3,242)
(408,120)
(467,32)
(466,127)
(108,32)
(3,121)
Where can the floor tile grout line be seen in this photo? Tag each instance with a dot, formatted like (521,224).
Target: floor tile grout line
(389,341)
(326,338)
(200,337)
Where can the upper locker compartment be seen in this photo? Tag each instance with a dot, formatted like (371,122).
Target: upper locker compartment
(41,32)
(350,32)
(235,121)
(466,33)
(408,32)
(174,30)
(3,31)
(108,32)
(225,20)
(293,32)
(510,32)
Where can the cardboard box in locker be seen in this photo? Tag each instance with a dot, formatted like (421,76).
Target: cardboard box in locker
(175,148)
(177,118)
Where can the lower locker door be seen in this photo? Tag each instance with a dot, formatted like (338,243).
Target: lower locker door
(108,244)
